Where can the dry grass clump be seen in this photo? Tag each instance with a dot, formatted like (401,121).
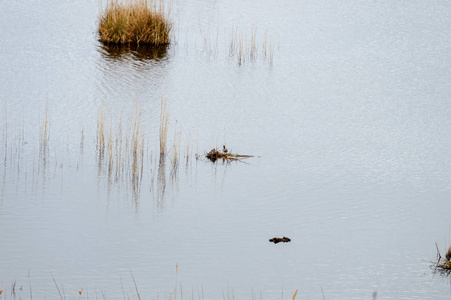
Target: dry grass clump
(444,263)
(134,21)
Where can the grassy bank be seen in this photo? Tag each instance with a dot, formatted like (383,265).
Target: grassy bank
(134,22)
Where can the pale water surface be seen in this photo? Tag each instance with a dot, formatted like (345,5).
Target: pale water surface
(348,113)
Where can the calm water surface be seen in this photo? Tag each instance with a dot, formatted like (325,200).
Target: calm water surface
(348,113)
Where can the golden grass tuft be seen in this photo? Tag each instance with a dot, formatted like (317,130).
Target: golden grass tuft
(134,22)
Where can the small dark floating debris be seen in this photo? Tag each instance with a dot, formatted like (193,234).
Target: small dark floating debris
(215,154)
(278,240)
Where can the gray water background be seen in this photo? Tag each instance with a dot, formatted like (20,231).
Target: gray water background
(349,120)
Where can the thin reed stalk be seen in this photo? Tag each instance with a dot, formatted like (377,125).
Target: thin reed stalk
(44,139)
(245,46)
(176,152)
(164,122)
(82,139)
(138,147)
(188,144)
(121,153)
(101,131)
(5,138)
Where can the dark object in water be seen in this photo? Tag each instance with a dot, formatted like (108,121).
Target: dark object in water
(278,240)
(214,155)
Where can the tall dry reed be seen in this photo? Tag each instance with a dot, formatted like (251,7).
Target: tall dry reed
(164,125)
(101,131)
(245,46)
(44,138)
(176,151)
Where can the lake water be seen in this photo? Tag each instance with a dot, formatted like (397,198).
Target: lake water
(346,106)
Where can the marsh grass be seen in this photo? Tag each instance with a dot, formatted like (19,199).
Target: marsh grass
(246,47)
(443,264)
(124,156)
(175,157)
(164,125)
(134,22)
(5,137)
(44,138)
(121,152)
(82,139)
(101,131)
(13,142)
(125,151)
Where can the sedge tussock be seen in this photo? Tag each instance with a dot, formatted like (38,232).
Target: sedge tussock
(134,21)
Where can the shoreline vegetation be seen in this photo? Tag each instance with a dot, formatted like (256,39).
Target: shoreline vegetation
(134,22)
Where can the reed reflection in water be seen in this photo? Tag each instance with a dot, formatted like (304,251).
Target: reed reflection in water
(131,73)
(134,51)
